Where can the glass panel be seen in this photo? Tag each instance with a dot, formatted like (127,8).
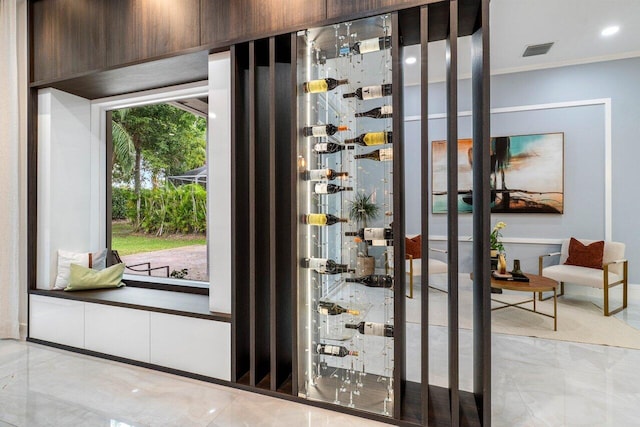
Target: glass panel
(159,190)
(345,207)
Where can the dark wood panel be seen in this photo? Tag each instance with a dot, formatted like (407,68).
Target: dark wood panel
(452,212)
(281,182)
(262,213)
(175,70)
(142,29)
(399,276)
(425,184)
(341,9)
(68,37)
(481,82)
(240,343)
(226,21)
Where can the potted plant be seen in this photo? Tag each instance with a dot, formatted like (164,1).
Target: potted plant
(495,239)
(361,210)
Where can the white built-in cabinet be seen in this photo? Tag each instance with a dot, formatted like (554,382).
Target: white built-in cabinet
(199,346)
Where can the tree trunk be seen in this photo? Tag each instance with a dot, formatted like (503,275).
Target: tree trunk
(136,183)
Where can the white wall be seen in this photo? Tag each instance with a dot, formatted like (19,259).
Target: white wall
(219,162)
(587,194)
(64,180)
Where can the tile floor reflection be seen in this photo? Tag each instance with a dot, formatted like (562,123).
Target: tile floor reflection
(535,382)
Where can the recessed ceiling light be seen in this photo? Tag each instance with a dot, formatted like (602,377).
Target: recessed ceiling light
(410,60)
(609,31)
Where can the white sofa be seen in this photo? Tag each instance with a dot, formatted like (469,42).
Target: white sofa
(614,271)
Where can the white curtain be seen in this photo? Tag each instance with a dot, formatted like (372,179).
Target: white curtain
(12,136)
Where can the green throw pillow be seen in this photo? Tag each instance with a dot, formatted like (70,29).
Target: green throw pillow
(83,278)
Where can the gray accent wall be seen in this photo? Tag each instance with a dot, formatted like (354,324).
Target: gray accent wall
(584,148)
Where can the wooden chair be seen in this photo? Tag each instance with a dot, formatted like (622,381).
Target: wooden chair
(115,257)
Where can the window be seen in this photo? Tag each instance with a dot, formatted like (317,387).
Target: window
(157,187)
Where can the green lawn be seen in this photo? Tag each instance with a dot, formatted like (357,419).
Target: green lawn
(126,242)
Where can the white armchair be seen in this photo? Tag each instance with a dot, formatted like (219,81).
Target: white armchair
(614,272)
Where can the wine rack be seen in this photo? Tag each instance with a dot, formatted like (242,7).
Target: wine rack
(346,211)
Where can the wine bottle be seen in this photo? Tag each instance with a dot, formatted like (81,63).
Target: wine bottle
(372,45)
(322,130)
(380,155)
(322,174)
(322,85)
(325,266)
(372,233)
(324,188)
(371,138)
(332,309)
(370,92)
(383,112)
(374,280)
(330,147)
(372,328)
(335,350)
(321,219)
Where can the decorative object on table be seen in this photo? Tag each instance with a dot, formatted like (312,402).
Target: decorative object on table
(361,210)
(495,238)
(526,174)
(502,264)
(497,248)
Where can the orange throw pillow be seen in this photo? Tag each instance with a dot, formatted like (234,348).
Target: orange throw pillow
(413,246)
(585,255)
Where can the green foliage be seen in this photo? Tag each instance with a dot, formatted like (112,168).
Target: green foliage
(169,141)
(362,209)
(171,210)
(120,198)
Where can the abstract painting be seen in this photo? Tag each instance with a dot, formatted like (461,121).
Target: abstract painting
(527,174)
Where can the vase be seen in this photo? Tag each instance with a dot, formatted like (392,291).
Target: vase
(516,268)
(502,264)
(494,253)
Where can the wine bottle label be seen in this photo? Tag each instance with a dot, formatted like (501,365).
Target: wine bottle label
(374,233)
(319,131)
(317,219)
(386,109)
(331,349)
(386,154)
(371,92)
(317,174)
(323,310)
(315,86)
(375,138)
(321,188)
(381,242)
(370,45)
(318,264)
(371,328)
(321,148)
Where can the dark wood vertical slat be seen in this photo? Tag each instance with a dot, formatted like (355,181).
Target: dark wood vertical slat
(240,325)
(263,229)
(272,218)
(399,277)
(452,209)
(283,145)
(293,217)
(424,209)
(32,190)
(109,189)
(480,81)
(252,216)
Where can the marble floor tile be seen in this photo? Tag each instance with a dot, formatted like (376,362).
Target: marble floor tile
(535,382)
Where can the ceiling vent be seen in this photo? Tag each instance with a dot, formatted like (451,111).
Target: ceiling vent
(537,49)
